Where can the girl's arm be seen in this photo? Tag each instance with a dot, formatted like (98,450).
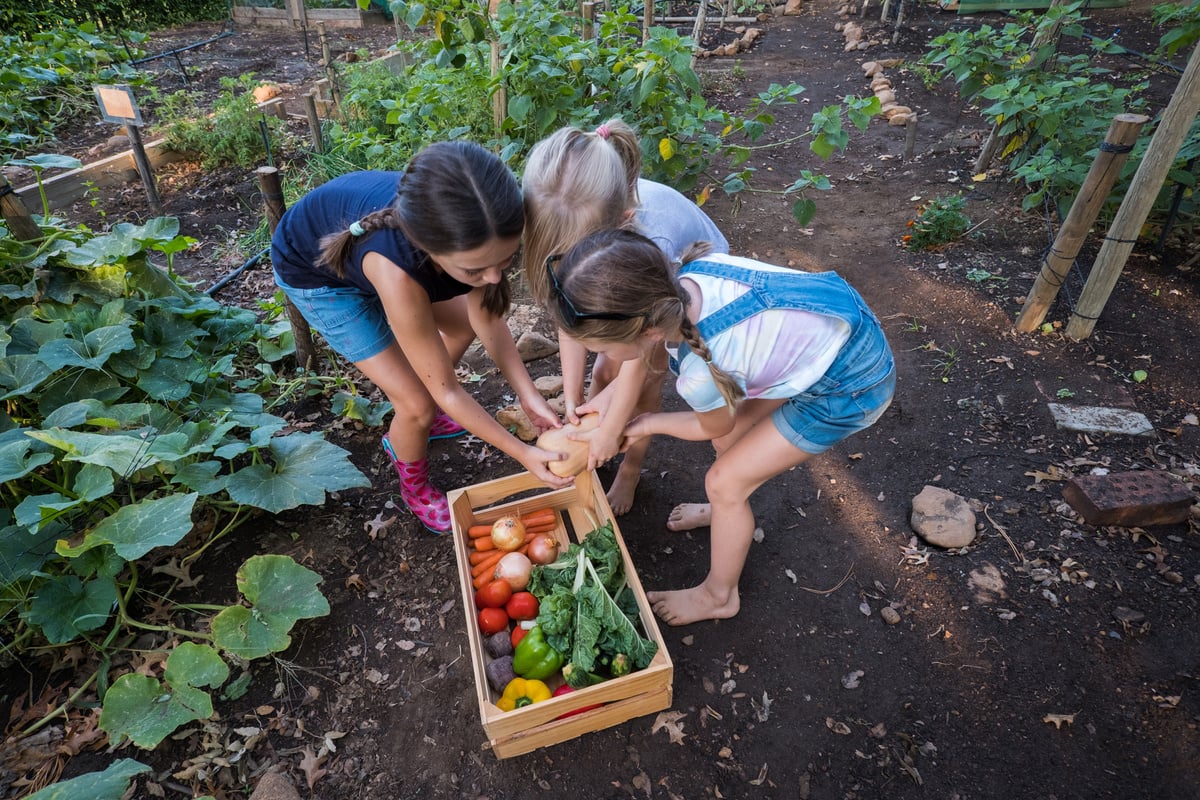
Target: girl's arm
(616,405)
(410,315)
(694,426)
(573,356)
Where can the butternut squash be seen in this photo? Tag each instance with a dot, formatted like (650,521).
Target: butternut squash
(556,441)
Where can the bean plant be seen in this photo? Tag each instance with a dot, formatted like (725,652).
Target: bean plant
(552,77)
(1051,109)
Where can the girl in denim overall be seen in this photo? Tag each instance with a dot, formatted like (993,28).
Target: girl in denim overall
(776,365)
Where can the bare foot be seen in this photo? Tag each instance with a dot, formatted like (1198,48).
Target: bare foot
(686,516)
(620,493)
(685,606)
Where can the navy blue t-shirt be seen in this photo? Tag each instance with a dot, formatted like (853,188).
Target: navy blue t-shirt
(330,208)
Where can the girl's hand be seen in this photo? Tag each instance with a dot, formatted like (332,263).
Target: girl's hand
(540,414)
(598,403)
(601,447)
(537,460)
(571,411)
(636,430)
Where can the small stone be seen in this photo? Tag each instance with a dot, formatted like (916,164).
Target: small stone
(889,615)
(1128,615)
(942,518)
(513,417)
(532,346)
(274,786)
(549,385)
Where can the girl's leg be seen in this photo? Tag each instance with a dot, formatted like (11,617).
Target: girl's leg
(686,516)
(406,441)
(759,455)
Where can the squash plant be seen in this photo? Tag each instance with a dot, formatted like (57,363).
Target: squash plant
(124,434)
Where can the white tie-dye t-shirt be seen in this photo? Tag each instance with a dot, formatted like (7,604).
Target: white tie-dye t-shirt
(776,353)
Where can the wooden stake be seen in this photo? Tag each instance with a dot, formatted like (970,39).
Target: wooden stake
(314,122)
(500,98)
(16,216)
(588,12)
(272,191)
(647,20)
(1106,168)
(143,167)
(1123,233)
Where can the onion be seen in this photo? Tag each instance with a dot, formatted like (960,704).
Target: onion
(508,533)
(543,549)
(514,568)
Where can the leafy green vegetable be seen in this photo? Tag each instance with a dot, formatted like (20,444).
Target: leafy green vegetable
(586,609)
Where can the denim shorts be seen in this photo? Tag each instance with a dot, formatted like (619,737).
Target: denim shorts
(350,320)
(815,421)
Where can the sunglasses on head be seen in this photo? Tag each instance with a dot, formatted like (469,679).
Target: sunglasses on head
(570,314)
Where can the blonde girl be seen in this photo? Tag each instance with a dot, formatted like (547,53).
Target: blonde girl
(576,183)
(776,365)
(400,273)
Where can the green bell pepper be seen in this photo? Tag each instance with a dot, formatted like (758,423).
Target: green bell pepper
(534,658)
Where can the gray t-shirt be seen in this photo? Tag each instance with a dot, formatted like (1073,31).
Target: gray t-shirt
(673,221)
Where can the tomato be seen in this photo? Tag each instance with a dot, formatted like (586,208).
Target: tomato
(492,620)
(518,633)
(493,595)
(522,605)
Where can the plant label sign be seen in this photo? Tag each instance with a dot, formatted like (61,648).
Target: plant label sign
(117,104)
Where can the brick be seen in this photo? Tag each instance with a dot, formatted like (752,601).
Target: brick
(1129,499)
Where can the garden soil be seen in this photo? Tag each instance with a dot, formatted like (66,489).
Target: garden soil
(1050,659)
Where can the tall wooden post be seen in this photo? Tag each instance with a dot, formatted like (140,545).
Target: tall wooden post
(647,21)
(16,216)
(330,73)
(587,11)
(1143,190)
(1106,168)
(500,98)
(272,191)
(314,122)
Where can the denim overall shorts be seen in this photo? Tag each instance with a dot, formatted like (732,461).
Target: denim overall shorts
(856,389)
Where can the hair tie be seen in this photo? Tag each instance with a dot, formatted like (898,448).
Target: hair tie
(603,131)
(356,228)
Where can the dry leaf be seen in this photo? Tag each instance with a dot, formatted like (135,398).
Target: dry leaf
(1058,719)
(377,527)
(313,766)
(837,726)
(762,777)
(670,721)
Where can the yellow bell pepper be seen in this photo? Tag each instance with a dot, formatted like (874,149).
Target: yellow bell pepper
(521,692)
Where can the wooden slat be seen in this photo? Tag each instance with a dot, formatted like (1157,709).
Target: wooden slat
(642,692)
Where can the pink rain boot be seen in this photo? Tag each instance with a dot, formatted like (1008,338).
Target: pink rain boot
(444,427)
(423,499)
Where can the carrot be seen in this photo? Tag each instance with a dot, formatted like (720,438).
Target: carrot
(484,543)
(487,565)
(477,531)
(481,556)
(546,515)
(484,579)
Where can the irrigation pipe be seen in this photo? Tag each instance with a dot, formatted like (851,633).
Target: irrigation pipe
(212,290)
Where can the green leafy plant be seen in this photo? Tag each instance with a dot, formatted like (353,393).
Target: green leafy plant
(938,222)
(1051,109)
(1064,394)
(124,433)
(47,74)
(232,133)
(551,77)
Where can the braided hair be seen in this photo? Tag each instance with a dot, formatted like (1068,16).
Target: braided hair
(453,197)
(623,271)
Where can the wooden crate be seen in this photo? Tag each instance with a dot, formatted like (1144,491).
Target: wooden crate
(584,505)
